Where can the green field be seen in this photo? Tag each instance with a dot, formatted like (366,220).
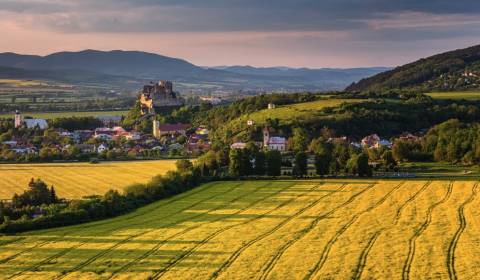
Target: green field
(467,95)
(53,115)
(355,229)
(74,180)
(289,113)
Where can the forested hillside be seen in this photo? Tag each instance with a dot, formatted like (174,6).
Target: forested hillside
(450,71)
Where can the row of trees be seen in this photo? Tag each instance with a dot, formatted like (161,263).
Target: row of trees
(39,207)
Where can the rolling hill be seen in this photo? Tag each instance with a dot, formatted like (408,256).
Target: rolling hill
(113,67)
(451,71)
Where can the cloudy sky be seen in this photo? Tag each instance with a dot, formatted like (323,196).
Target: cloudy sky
(301,33)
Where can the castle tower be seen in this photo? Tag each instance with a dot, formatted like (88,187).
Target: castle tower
(18,119)
(266,137)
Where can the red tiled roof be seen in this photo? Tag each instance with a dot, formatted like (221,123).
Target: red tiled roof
(174,127)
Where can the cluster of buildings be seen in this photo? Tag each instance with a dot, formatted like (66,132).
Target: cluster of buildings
(270,142)
(182,138)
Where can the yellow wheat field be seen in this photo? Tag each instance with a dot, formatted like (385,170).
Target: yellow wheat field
(74,180)
(362,229)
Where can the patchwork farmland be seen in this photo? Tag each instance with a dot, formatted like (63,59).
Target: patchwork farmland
(75,180)
(356,229)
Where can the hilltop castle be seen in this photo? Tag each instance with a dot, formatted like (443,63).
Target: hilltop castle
(157,95)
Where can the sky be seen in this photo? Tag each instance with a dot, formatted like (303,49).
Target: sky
(302,33)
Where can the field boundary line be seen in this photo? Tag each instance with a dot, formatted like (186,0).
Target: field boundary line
(237,253)
(319,265)
(104,252)
(154,249)
(411,250)
(463,224)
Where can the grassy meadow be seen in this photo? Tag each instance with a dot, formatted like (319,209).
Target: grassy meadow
(355,229)
(75,180)
(288,114)
(467,95)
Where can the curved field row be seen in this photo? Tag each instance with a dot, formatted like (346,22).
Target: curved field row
(268,230)
(75,180)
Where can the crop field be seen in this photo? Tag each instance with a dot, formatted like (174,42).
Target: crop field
(53,115)
(75,180)
(355,229)
(467,95)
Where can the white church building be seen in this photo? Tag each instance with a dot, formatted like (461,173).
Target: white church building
(273,142)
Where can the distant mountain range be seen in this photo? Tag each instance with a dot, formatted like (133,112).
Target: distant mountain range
(450,71)
(132,68)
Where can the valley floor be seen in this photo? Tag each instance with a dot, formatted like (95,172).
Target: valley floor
(357,229)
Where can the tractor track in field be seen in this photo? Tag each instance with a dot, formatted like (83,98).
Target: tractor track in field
(160,273)
(463,224)
(363,257)
(154,249)
(237,253)
(65,251)
(272,263)
(323,258)
(411,249)
(400,209)
(6,242)
(9,258)
(188,253)
(110,249)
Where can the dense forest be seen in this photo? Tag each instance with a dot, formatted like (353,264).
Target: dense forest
(450,71)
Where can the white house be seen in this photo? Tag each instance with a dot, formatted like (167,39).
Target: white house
(102,148)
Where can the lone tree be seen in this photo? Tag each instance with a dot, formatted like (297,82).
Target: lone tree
(322,163)
(301,167)
(274,163)
(363,168)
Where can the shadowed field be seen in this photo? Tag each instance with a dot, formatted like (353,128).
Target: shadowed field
(361,229)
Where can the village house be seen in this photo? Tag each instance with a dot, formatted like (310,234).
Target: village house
(82,135)
(102,148)
(374,141)
(370,140)
(238,145)
(409,137)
